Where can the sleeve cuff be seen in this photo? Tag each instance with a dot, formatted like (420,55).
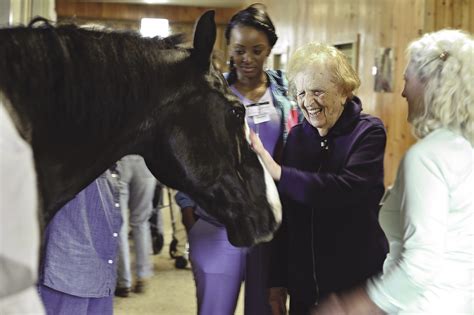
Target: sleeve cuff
(378,296)
(184,200)
(284,185)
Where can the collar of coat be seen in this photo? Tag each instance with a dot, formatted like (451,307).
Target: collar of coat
(349,117)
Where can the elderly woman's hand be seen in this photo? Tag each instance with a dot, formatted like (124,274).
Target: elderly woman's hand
(256,143)
(272,167)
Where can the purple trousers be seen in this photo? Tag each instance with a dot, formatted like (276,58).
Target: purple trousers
(60,303)
(219,269)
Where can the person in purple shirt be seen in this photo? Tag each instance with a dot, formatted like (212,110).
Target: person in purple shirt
(330,182)
(78,269)
(219,268)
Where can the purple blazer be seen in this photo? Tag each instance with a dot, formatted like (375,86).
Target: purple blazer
(330,188)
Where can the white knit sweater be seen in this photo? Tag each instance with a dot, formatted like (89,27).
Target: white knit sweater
(428,218)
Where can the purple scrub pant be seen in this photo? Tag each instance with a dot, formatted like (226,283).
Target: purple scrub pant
(60,303)
(219,269)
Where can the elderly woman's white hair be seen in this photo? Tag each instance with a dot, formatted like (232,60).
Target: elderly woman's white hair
(343,75)
(444,63)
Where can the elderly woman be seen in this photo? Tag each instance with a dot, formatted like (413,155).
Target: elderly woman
(330,183)
(428,215)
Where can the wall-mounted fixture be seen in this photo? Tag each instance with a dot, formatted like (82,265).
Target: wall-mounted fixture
(383,70)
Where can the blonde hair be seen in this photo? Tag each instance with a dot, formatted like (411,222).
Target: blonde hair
(444,62)
(344,76)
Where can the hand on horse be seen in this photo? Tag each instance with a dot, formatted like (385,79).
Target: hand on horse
(256,143)
(272,167)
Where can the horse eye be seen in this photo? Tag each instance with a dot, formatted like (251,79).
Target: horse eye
(239,113)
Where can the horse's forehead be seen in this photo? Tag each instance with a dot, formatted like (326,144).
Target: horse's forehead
(216,82)
(176,54)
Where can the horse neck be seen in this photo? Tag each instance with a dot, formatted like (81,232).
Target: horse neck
(65,170)
(85,114)
(78,156)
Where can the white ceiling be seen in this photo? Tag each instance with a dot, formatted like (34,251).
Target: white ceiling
(196,3)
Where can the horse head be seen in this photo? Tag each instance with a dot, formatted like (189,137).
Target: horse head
(204,149)
(87,97)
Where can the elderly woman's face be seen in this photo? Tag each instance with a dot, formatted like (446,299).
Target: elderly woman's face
(321,101)
(413,92)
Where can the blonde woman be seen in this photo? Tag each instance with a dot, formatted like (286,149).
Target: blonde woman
(330,184)
(428,215)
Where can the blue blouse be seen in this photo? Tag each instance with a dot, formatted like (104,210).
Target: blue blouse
(81,242)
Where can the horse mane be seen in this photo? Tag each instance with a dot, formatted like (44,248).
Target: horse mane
(51,74)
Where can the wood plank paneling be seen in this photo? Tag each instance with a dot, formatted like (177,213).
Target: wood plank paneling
(134,12)
(376,23)
(467,15)
(441,14)
(128,16)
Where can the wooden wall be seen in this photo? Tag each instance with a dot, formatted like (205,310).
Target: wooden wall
(441,14)
(121,15)
(374,24)
(377,24)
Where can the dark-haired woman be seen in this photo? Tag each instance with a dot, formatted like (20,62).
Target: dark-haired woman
(219,268)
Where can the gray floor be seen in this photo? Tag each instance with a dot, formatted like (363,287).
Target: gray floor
(169,292)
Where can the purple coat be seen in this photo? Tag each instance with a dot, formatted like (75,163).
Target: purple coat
(330,187)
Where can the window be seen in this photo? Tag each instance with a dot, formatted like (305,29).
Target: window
(154,27)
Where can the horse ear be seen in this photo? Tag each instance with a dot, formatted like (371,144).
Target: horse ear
(204,38)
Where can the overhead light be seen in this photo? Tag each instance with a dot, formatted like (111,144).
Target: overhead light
(154,27)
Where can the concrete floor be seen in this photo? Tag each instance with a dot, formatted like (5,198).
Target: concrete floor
(170,291)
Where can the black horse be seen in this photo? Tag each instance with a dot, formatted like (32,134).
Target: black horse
(84,98)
